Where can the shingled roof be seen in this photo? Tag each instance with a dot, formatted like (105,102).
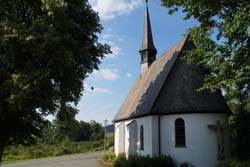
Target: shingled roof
(170,86)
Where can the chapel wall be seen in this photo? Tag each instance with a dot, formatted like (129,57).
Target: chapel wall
(148,139)
(201,142)
(119,142)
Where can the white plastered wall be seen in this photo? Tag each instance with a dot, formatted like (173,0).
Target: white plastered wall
(119,137)
(201,142)
(150,126)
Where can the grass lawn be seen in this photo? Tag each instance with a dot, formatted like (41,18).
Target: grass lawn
(20,153)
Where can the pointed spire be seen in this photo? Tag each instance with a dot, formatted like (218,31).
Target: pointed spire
(147,43)
(147,51)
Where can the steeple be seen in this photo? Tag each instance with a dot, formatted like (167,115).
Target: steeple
(147,51)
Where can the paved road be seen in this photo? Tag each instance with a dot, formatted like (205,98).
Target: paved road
(84,160)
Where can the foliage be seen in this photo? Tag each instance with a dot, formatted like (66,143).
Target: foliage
(186,164)
(161,161)
(120,160)
(222,38)
(242,126)
(234,164)
(84,131)
(96,131)
(108,157)
(110,141)
(73,130)
(47,135)
(65,123)
(226,57)
(145,161)
(47,49)
(21,152)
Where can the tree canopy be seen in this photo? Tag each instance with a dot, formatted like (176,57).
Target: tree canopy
(222,38)
(47,49)
(57,131)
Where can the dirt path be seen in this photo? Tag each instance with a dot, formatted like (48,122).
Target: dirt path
(84,160)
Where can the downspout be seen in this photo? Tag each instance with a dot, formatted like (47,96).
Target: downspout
(159,134)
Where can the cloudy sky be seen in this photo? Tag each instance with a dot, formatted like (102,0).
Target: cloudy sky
(122,21)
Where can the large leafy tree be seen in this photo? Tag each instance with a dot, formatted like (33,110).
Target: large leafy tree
(47,48)
(65,123)
(222,37)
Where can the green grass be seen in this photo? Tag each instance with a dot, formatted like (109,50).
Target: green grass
(19,153)
(9,162)
(110,134)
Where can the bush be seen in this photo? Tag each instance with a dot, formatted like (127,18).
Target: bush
(163,161)
(108,157)
(143,161)
(136,160)
(20,152)
(120,160)
(111,149)
(110,141)
(234,164)
(186,164)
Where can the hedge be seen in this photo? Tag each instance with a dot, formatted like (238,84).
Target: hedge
(234,164)
(143,161)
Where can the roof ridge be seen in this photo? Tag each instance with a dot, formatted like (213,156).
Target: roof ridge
(142,89)
(185,40)
(150,94)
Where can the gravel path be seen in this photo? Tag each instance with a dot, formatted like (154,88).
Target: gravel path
(83,160)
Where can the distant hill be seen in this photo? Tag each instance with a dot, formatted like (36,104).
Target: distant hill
(110,128)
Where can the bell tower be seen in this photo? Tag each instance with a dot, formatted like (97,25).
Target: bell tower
(148,51)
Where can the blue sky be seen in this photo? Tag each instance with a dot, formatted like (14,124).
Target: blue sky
(123,21)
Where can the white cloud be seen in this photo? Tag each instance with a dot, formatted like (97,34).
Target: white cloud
(129,75)
(108,36)
(106,73)
(107,42)
(120,39)
(115,52)
(109,9)
(89,89)
(101,91)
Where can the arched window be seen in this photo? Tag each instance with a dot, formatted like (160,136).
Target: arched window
(180,140)
(141,138)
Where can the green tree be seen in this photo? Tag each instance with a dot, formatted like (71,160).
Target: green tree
(47,135)
(47,48)
(222,37)
(65,124)
(84,131)
(97,131)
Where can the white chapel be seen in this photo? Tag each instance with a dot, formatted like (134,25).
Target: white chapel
(164,114)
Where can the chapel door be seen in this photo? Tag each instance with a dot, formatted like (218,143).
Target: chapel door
(132,149)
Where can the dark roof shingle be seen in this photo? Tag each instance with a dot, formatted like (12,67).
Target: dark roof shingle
(169,87)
